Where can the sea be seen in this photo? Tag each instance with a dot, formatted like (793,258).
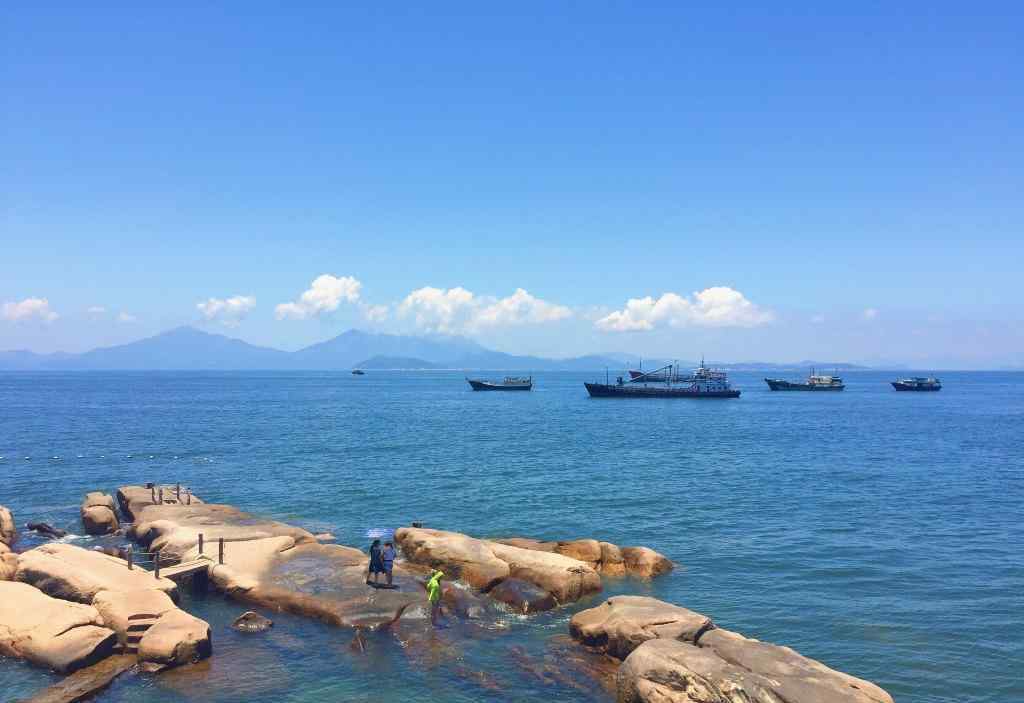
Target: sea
(879,532)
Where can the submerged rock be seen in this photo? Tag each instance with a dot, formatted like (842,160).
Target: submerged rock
(522,596)
(675,655)
(251,621)
(44,529)
(85,682)
(99,517)
(50,632)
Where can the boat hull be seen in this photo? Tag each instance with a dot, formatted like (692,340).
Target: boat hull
(485,386)
(602,390)
(914,388)
(780,385)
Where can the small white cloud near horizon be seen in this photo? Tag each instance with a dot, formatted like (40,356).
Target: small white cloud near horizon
(27,309)
(719,306)
(324,295)
(375,313)
(96,310)
(870,313)
(227,311)
(457,310)
(126,317)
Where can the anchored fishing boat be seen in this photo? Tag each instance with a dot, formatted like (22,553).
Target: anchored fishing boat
(510,383)
(917,383)
(815,382)
(702,383)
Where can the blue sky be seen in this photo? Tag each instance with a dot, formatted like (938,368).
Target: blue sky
(855,177)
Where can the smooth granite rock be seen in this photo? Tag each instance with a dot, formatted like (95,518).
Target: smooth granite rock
(176,638)
(522,596)
(8,533)
(8,564)
(459,556)
(623,623)
(644,562)
(604,557)
(72,573)
(565,578)
(49,632)
(99,516)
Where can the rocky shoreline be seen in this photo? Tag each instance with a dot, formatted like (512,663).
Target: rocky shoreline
(72,609)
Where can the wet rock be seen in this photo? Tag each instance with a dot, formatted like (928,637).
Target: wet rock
(85,682)
(461,602)
(522,596)
(8,534)
(645,563)
(45,530)
(324,537)
(612,563)
(99,516)
(176,638)
(358,643)
(251,621)
(675,655)
(49,632)
(565,578)
(458,555)
(76,574)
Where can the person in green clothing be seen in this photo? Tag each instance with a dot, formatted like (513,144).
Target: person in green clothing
(434,595)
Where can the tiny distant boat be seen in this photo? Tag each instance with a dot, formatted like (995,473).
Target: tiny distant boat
(702,383)
(510,383)
(815,382)
(917,383)
(358,372)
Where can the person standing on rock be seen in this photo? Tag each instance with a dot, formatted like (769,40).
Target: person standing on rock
(434,596)
(376,563)
(388,559)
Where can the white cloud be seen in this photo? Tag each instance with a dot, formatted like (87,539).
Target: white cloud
(97,310)
(719,306)
(228,311)
(28,309)
(376,313)
(870,313)
(457,310)
(325,294)
(126,317)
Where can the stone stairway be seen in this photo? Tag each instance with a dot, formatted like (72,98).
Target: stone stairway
(137,626)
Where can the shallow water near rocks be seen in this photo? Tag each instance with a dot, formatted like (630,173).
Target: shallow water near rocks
(879,532)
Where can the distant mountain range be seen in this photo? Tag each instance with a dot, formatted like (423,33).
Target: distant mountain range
(187,348)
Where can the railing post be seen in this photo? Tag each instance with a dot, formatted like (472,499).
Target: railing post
(161,494)
(220,550)
(152,492)
(188,496)
(177,492)
(129,556)
(200,544)
(156,562)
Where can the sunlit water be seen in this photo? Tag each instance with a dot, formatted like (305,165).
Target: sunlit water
(879,532)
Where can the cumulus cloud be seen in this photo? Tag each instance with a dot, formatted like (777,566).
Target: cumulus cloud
(325,294)
(227,311)
(457,310)
(719,306)
(376,313)
(870,313)
(28,309)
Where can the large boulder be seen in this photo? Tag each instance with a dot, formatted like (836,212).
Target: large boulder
(645,562)
(522,596)
(8,565)
(99,517)
(623,623)
(604,557)
(72,573)
(49,632)
(612,562)
(458,555)
(134,499)
(674,655)
(8,534)
(122,611)
(565,578)
(176,638)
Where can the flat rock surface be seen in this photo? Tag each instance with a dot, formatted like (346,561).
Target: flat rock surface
(48,632)
(623,623)
(85,682)
(76,574)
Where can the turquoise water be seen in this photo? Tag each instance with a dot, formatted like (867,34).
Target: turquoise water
(879,532)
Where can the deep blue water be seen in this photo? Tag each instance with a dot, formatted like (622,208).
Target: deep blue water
(879,532)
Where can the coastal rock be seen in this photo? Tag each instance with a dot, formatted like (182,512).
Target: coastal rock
(522,596)
(44,529)
(644,562)
(623,623)
(134,499)
(458,555)
(612,562)
(87,681)
(99,516)
(585,550)
(8,565)
(674,655)
(8,533)
(176,638)
(72,573)
(123,611)
(250,621)
(565,578)
(49,632)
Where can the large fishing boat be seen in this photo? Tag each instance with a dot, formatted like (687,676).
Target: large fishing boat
(815,382)
(702,383)
(510,383)
(917,383)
